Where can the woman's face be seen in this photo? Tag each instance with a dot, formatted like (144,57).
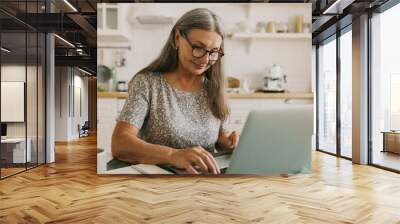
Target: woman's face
(197,38)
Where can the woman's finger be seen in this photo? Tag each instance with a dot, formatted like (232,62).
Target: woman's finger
(211,157)
(235,139)
(208,159)
(212,164)
(189,168)
(202,165)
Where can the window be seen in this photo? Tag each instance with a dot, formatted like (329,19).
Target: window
(385,89)
(395,102)
(327,97)
(346,94)
(333,137)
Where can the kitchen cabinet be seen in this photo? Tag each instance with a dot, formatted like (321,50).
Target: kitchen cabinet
(240,109)
(110,22)
(108,110)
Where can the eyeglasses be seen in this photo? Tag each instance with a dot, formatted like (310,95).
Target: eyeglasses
(199,52)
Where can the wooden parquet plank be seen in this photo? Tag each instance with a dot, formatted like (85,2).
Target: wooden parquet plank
(70,191)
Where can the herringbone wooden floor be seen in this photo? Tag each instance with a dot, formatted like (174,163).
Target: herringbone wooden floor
(70,191)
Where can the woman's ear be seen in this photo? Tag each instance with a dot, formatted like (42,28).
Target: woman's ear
(176,39)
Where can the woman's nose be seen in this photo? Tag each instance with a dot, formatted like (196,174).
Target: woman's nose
(204,60)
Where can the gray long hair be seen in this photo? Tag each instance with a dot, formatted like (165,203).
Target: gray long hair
(167,61)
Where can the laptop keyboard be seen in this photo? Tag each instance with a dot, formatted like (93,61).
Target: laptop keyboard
(222,158)
(223,170)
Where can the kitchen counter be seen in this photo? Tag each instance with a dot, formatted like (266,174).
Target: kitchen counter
(112,94)
(292,95)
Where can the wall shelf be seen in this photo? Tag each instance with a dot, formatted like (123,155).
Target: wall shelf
(247,36)
(251,37)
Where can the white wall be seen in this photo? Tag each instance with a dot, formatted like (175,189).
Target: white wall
(293,55)
(81,83)
(61,103)
(67,80)
(16,73)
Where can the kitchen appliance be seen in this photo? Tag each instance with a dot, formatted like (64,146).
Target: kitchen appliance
(274,79)
(121,86)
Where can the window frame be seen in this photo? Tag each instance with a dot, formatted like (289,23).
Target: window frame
(334,37)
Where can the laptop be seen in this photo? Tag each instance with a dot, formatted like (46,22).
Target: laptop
(273,141)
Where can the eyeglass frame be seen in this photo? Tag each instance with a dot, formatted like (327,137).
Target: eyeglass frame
(220,52)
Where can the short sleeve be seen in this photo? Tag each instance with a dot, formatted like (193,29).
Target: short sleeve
(137,104)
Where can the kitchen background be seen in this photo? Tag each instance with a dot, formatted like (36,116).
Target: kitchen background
(259,35)
(145,28)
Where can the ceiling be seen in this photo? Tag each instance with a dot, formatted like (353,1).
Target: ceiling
(331,15)
(77,24)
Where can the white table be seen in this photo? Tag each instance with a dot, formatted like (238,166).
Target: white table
(19,154)
(104,157)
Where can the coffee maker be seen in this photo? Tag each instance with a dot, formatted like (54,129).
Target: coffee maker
(274,79)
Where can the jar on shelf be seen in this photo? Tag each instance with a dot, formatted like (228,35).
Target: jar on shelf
(282,27)
(271,27)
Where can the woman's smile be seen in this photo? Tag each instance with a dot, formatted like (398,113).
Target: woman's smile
(199,66)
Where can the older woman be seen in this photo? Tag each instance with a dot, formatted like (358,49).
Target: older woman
(176,110)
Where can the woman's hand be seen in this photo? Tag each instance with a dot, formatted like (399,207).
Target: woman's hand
(228,141)
(194,156)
